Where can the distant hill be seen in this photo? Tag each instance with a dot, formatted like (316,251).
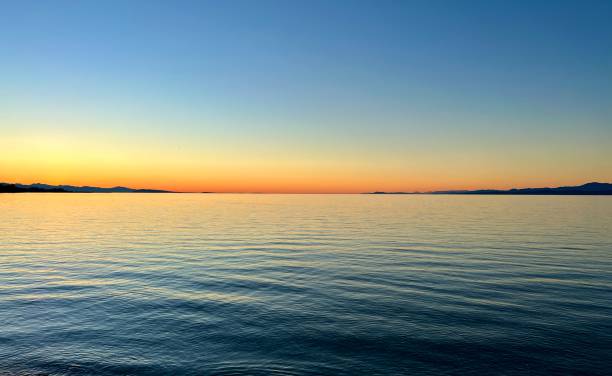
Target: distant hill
(18,188)
(585,189)
(38,187)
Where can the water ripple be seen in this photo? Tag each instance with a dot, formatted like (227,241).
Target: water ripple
(304,285)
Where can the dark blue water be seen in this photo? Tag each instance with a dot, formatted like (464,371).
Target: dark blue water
(164,284)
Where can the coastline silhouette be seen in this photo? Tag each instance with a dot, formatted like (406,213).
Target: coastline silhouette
(38,187)
(593,188)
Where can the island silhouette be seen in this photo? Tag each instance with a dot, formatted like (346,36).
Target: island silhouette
(39,187)
(593,188)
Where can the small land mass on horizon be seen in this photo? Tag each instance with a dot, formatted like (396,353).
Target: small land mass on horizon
(593,188)
(39,187)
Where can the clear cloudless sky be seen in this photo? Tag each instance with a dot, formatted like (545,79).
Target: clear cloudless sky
(306,96)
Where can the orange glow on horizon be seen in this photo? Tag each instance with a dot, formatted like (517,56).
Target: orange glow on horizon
(107,162)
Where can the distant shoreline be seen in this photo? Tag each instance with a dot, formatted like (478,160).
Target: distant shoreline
(588,189)
(46,188)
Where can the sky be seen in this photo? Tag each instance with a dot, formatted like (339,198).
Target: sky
(306,96)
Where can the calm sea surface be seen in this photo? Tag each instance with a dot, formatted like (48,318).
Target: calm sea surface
(197,284)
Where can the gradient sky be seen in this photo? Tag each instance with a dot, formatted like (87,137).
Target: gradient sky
(310,96)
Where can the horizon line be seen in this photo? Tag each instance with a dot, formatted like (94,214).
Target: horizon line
(375,192)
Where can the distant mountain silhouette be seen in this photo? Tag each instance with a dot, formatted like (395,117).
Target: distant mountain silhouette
(18,188)
(585,189)
(38,187)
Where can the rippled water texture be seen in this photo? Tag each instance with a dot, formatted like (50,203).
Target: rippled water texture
(197,284)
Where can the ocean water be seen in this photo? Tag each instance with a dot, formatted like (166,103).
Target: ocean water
(200,284)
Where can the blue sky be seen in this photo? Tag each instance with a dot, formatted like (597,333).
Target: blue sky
(390,92)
